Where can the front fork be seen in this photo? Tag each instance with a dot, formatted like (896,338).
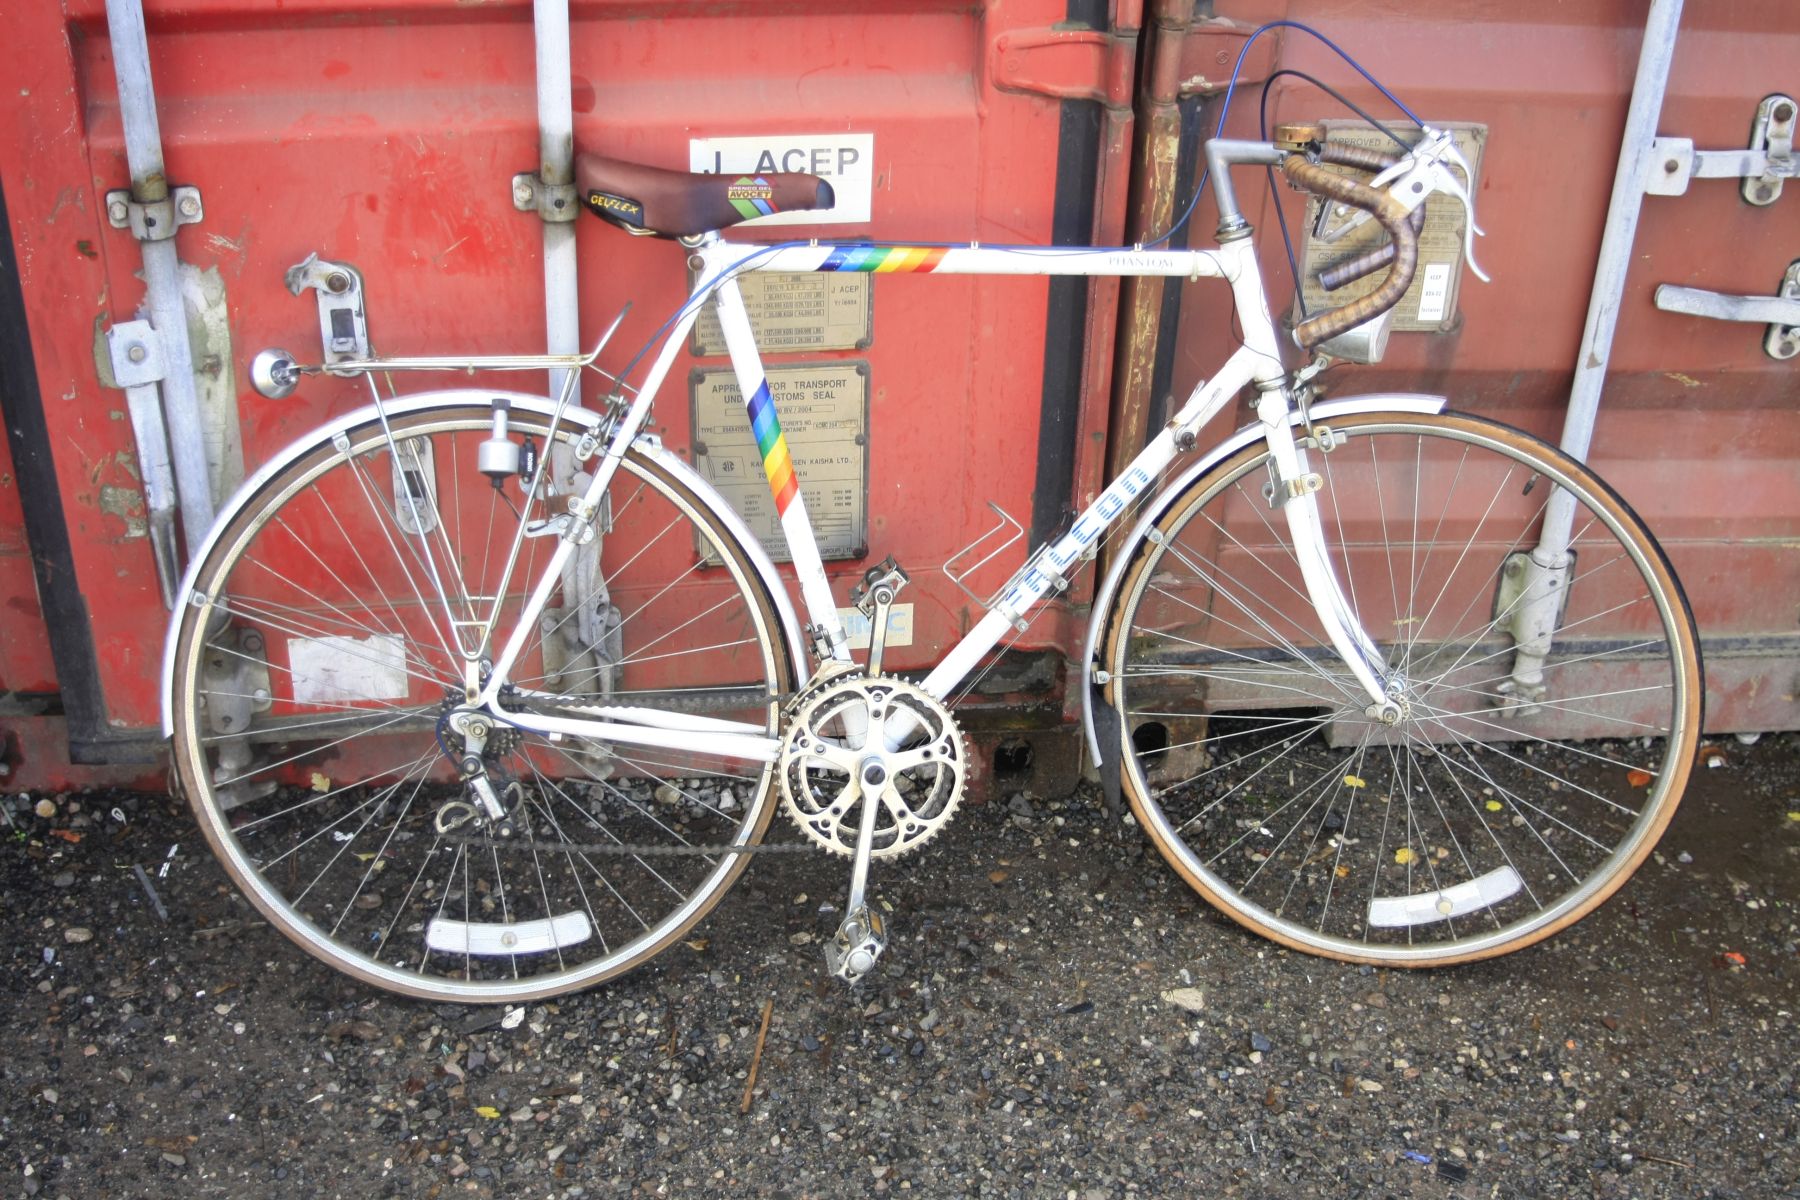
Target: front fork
(1294,489)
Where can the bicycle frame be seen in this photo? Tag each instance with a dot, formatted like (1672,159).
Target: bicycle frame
(1257,361)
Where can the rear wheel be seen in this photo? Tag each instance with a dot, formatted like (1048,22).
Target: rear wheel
(337,624)
(1492,813)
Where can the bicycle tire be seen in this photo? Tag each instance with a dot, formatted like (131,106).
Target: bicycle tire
(322,642)
(1486,819)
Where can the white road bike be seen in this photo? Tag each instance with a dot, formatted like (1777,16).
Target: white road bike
(470,735)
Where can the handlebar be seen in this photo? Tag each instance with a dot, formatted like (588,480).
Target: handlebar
(1351,270)
(1400,223)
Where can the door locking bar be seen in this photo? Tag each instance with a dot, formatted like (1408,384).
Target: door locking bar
(1763,166)
(1780,312)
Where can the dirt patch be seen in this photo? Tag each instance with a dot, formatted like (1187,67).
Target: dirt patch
(1016,1042)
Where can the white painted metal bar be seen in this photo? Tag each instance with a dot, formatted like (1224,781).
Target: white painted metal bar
(1635,151)
(556,168)
(1547,565)
(976,259)
(796,526)
(626,432)
(760,748)
(162,280)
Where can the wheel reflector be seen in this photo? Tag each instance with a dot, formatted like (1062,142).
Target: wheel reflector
(1390,912)
(500,940)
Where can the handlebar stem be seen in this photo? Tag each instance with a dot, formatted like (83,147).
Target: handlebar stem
(1225,153)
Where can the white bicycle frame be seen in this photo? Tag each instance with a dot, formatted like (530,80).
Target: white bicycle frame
(1257,361)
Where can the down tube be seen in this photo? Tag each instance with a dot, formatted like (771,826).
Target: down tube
(778,467)
(1045,570)
(1054,561)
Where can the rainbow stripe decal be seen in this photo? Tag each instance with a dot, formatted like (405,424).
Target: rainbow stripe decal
(778,465)
(883,259)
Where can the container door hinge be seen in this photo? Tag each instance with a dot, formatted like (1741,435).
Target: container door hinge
(1065,63)
(136,358)
(1209,51)
(1763,167)
(343,325)
(154,220)
(553,202)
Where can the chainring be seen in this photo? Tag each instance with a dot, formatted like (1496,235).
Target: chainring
(827,746)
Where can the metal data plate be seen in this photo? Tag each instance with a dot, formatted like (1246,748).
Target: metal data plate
(1430,303)
(824,413)
(819,311)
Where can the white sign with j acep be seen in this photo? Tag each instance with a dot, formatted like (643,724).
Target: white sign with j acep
(844,160)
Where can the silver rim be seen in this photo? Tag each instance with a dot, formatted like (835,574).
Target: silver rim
(1480,822)
(310,686)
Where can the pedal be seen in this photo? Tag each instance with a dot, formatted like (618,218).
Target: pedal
(856,947)
(874,599)
(885,577)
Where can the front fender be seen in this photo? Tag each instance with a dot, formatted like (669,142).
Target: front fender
(1103,599)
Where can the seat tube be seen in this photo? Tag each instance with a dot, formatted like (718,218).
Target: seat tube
(778,466)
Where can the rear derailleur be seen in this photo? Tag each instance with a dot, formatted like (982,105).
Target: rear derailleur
(483,804)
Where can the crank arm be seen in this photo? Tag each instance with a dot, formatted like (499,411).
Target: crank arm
(861,937)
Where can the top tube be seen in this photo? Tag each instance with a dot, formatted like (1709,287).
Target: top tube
(976,259)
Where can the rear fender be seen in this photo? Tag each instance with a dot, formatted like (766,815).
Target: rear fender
(650,447)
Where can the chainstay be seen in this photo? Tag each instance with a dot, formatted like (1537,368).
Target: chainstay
(525,845)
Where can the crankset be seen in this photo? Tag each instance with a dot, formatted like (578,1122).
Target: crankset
(870,766)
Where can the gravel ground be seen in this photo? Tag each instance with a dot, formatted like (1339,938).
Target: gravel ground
(1058,1016)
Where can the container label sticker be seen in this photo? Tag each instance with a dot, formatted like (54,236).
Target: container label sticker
(823,409)
(844,160)
(333,670)
(1434,292)
(819,311)
(1430,303)
(899,631)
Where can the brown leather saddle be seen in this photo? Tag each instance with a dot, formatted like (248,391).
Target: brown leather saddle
(652,200)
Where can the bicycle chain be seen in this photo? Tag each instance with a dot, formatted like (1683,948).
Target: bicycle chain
(636,851)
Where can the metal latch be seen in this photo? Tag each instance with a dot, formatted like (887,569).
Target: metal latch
(1780,312)
(154,220)
(343,326)
(136,357)
(554,202)
(1763,166)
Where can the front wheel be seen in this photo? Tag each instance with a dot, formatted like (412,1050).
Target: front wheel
(342,618)
(1503,804)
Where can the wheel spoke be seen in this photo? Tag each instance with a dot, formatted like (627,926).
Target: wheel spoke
(392,866)
(1469,826)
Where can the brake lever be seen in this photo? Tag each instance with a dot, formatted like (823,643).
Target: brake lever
(1410,180)
(1449,185)
(1429,168)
